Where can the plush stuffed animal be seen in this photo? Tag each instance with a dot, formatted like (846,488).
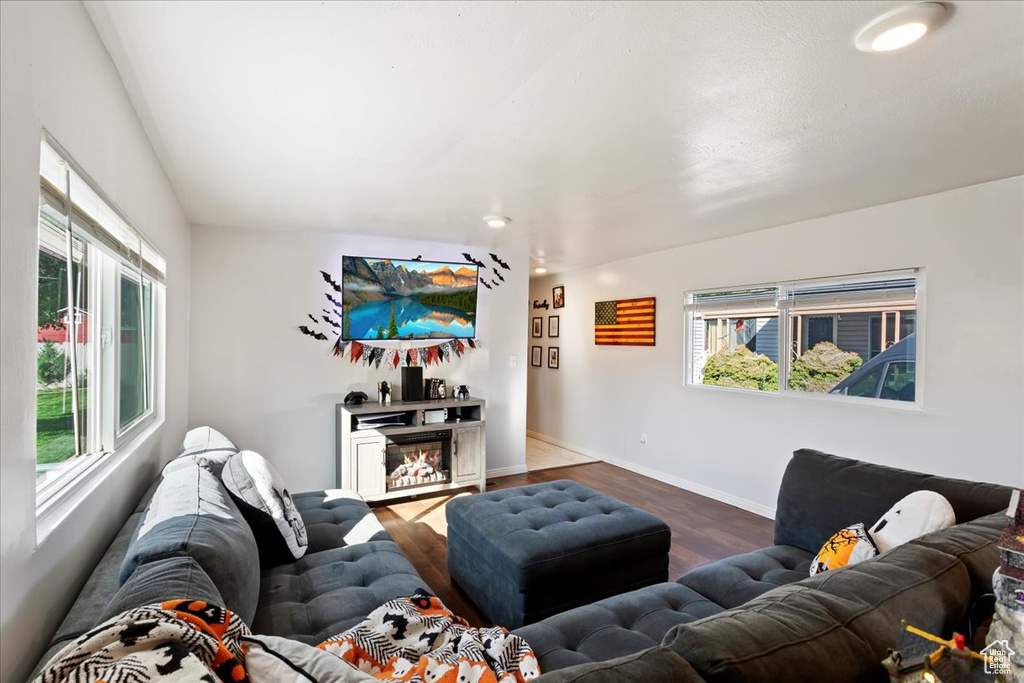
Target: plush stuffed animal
(920,513)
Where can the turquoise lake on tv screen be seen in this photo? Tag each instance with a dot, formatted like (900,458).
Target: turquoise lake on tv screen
(414,319)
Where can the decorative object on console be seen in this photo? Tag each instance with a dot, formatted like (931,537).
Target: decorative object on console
(536,356)
(552,325)
(847,546)
(461,392)
(917,514)
(558,296)
(624,322)
(436,389)
(266,504)
(538,328)
(383,392)
(553,357)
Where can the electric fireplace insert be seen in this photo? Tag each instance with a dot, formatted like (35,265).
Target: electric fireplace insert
(414,460)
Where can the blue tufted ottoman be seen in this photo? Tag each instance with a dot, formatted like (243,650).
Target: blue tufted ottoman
(523,554)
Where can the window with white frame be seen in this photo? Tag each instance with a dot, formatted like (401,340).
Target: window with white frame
(845,336)
(100,292)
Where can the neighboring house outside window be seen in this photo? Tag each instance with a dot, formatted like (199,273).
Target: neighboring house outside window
(833,327)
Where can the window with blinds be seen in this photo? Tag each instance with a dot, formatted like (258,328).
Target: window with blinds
(100,288)
(853,336)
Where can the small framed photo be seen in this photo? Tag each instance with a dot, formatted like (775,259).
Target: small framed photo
(552,325)
(538,328)
(558,296)
(536,356)
(553,357)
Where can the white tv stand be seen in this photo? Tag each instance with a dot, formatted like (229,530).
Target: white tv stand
(362,452)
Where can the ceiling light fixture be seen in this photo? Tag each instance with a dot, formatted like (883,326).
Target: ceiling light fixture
(900,27)
(497,221)
(540,271)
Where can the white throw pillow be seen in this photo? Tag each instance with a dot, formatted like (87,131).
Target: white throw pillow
(266,505)
(920,513)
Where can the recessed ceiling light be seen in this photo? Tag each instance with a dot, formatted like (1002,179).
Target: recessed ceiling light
(900,27)
(540,271)
(497,221)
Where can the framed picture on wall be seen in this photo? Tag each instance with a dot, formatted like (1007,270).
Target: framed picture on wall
(553,357)
(536,356)
(558,295)
(538,328)
(552,325)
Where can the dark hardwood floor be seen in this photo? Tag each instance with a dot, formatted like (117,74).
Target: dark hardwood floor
(703,530)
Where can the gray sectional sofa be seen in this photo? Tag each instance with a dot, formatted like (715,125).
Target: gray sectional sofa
(759,616)
(752,617)
(187,538)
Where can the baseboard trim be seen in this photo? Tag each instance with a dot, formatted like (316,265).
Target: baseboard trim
(678,482)
(506,471)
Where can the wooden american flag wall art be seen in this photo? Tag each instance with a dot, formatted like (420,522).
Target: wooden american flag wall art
(626,322)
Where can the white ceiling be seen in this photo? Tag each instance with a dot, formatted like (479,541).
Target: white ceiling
(603,129)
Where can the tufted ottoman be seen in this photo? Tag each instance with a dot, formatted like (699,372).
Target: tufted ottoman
(523,554)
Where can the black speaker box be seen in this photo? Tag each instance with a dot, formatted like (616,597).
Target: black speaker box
(412,384)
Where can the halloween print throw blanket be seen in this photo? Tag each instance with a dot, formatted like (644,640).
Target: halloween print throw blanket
(177,640)
(419,640)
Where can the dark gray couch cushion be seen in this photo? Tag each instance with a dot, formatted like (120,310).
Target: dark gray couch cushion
(337,518)
(327,592)
(169,578)
(616,626)
(649,666)
(192,514)
(100,587)
(737,579)
(821,494)
(847,617)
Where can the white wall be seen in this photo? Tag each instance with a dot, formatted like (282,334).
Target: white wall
(734,445)
(273,390)
(54,72)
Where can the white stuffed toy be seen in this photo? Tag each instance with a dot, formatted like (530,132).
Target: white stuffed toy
(920,513)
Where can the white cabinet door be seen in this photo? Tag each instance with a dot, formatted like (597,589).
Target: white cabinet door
(467,454)
(368,461)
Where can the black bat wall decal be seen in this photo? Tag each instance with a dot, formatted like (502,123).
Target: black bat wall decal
(333,300)
(329,280)
(478,264)
(496,284)
(484,283)
(331,322)
(331,312)
(500,276)
(319,336)
(418,258)
(501,263)
(308,315)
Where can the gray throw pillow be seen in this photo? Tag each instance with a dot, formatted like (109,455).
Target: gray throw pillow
(206,447)
(267,506)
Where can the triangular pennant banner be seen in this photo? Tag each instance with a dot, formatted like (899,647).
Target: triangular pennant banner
(356,352)
(395,359)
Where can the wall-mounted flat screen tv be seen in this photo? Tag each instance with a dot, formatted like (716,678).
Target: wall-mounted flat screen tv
(387,298)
